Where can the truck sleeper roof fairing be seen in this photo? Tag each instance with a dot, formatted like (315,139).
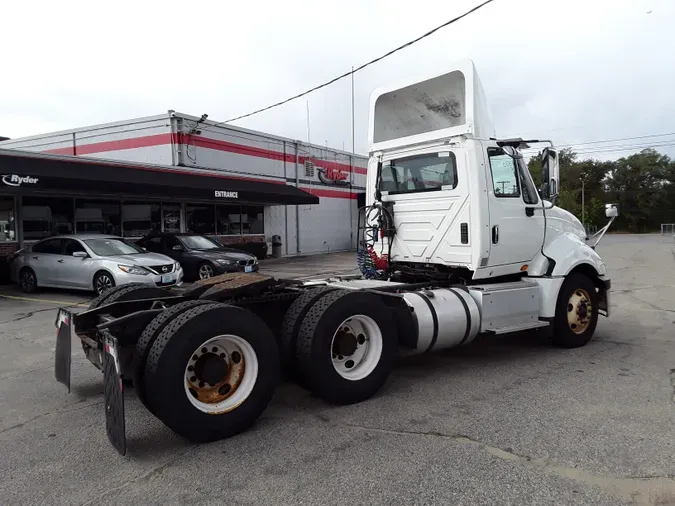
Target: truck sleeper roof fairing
(436,108)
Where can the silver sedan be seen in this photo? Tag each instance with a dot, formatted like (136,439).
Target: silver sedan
(91,262)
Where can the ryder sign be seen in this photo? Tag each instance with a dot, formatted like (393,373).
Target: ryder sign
(14,180)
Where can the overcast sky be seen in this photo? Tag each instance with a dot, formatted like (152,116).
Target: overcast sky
(573,70)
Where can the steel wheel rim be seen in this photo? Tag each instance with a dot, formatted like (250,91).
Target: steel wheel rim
(363,335)
(103,283)
(205,271)
(28,279)
(579,311)
(230,390)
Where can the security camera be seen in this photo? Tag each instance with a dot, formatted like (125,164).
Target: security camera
(204,116)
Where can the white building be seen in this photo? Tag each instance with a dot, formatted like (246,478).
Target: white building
(243,184)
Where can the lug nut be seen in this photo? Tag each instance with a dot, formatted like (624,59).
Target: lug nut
(214,349)
(190,368)
(204,350)
(193,378)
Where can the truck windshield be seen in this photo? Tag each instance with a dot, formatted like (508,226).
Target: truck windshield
(428,172)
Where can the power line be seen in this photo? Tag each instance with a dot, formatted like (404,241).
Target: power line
(347,74)
(562,146)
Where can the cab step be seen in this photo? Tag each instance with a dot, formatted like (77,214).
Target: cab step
(519,328)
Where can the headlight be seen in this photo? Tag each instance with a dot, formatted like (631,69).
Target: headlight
(225,261)
(177,266)
(255,260)
(133,269)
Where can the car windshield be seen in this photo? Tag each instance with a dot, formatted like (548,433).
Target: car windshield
(198,242)
(110,246)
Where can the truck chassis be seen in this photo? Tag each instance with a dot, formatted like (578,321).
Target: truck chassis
(207,362)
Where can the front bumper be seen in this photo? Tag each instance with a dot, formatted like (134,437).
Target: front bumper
(225,268)
(174,278)
(605,286)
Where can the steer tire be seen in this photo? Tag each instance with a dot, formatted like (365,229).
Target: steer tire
(145,342)
(171,353)
(291,323)
(563,335)
(315,339)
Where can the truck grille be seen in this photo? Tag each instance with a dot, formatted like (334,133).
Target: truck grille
(162,269)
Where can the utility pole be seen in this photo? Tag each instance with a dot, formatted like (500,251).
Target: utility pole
(583,203)
(353,142)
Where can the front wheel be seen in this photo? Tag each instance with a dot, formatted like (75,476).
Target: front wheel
(103,281)
(576,314)
(205,271)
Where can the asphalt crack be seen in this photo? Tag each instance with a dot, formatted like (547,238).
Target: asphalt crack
(639,490)
(147,476)
(672,382)
(55,412)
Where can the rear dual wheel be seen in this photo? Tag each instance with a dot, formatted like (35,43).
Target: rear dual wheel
(346,346)
(211,371)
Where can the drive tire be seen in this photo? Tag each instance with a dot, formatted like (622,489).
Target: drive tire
(26,285)
(147,339)
(172,351)
(100,300)
(563,335)
(136,292)
(315,340)
(291,323)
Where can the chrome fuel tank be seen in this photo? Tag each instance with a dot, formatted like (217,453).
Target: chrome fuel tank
(443,317)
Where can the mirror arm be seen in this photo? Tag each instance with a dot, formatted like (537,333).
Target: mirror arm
(601,232)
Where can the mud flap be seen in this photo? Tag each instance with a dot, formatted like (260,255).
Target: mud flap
(62,357)
(113,392)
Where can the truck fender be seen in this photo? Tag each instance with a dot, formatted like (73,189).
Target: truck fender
(567,253)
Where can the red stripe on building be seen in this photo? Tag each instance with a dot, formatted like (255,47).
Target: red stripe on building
(331,194)
(118,145)
(199,141)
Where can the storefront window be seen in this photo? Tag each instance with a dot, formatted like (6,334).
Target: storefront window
(97,217)
(7,224)
(201,219)
(229,220)
(44,216)
(171,218)
(252,220)
(139,219)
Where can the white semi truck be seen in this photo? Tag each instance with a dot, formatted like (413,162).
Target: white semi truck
(455,241)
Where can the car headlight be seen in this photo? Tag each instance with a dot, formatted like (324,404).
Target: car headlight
(177,266)
(225,261)
(133,269)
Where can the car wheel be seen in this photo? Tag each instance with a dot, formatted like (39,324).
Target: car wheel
(205,271)
(103,281)
(28,280)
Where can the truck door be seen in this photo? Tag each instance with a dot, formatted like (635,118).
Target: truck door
(516,212)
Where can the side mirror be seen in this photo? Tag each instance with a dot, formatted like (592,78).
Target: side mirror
(80,254)
(550,174)
(177,247)
(611,210)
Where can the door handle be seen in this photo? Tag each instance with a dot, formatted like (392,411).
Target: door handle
(495,234)
(529,211)
(60,261)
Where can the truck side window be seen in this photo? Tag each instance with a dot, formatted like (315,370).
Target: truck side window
(504,174)
(530,195)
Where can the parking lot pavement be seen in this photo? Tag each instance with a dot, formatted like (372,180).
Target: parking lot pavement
(503,421)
